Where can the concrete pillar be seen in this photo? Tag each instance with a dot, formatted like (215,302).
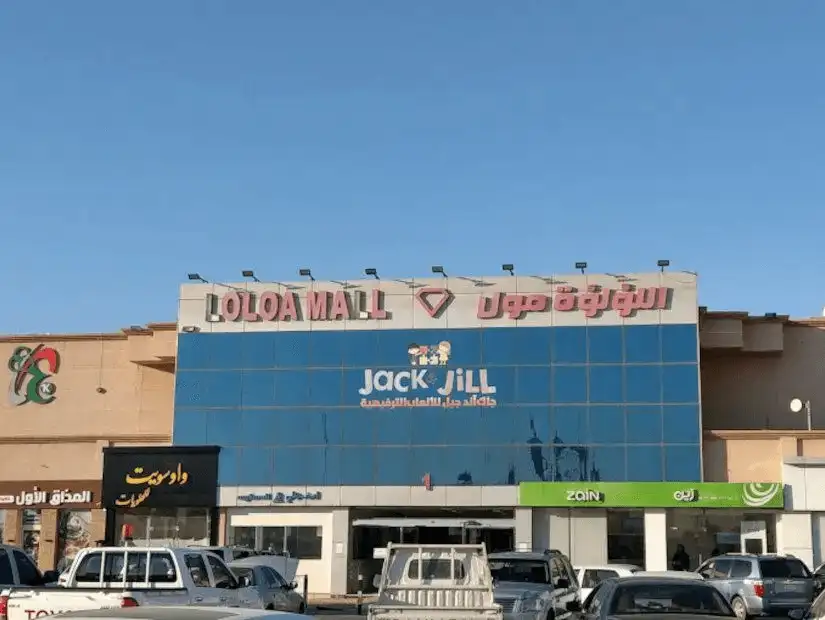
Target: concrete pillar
(588,537)
(13,528)
(794,535)
(223,522)
(655,539)
(97,526)
(541,529)
(49,540)
(524,529)
(339,552)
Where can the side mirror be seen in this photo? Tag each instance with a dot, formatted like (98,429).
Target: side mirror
(292,585)
(50,576)
(573,606)
(244,582)
(376,581)
(562,583)
(796,614)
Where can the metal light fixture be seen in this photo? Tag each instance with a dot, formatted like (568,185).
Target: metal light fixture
(371,271)
(439,269)
(306,273)
(248,273)
(509,267)
(581,266)
(661,264)
(197,277)
(797,405)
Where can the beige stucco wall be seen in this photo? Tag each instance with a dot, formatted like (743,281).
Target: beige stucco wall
(756,456)
(750,386)
(111,389)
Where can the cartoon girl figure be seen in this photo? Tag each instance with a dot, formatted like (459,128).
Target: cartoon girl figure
(443,353)
(413,352)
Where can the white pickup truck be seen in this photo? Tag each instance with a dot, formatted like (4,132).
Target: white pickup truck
(438,582)
(106,577)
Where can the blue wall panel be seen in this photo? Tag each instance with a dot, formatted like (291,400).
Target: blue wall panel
(571,403)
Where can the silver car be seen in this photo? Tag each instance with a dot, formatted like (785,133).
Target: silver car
(274,590)
(760,585)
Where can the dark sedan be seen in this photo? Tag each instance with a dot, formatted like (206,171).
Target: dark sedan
(671,597)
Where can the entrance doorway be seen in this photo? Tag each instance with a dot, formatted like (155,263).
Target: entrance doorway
(371,533)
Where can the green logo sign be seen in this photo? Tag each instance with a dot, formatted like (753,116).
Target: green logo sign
(652,494)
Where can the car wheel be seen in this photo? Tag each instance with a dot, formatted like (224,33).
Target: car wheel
(270,607)
(739,608)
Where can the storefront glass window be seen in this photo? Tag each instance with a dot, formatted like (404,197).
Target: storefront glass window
(31,532)
(73,534)
(705,533)
(2,525)
(167,526)
(243,537)
(626,537)
(303,542)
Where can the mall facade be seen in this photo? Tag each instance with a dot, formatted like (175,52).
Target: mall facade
(324,419)
(350,416)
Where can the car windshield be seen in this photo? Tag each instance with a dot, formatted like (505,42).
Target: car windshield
(524,571)
(661,598)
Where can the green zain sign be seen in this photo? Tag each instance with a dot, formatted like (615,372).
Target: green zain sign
(652,494)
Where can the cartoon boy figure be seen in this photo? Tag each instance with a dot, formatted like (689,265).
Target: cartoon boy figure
(413,351)
(443,352)
(423,355)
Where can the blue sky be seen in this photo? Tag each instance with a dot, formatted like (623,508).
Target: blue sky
(141,141)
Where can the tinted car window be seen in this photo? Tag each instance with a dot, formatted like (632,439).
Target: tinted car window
(525,571)
(6,576)
(721,568)
(197,570)
(783,568)
(435,569)
(274,576)
(592,603)
(593,577)
(223,578)
(661,598)
(740,569)
(240,573)
(26,570)
(89,569)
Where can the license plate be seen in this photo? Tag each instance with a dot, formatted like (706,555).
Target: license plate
(791,587)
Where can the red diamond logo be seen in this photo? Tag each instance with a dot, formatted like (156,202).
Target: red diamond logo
(425,297)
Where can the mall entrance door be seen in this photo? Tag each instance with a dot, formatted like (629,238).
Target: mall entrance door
(370,535)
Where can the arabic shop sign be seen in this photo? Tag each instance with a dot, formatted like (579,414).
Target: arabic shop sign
(279,498)
(652,494)
(39,498)
(346,305)
(160,477)
(147,481)
(428,383)
(592,303)
(31,375)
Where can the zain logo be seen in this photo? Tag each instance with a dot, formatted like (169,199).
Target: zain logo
(756,494)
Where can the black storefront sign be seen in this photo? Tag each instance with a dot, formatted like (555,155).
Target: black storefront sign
(160,477)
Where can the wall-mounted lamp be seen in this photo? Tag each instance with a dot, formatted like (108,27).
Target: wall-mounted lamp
(509,268)
(190,329)
(306,273)
(661,264)
(197,278)
(797,405)
(439,269)
(581,266)
(248,273)
(371,271)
